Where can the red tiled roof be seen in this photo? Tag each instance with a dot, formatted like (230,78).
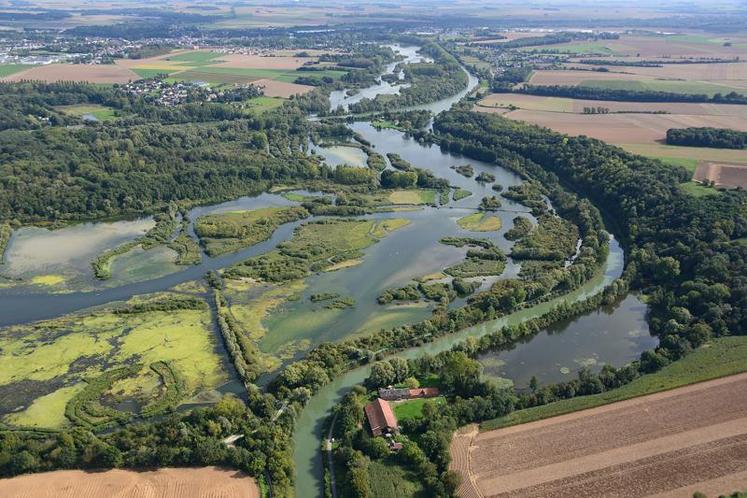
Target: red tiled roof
(380,416)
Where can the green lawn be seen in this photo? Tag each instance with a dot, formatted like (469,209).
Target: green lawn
(698,189)
(673,86)
(414,408)
(721,357)
(151,73)
(688,163)
(209,73)
(100,112)
(258,105)
(8,69)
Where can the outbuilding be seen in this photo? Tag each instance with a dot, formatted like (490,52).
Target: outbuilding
(380,417)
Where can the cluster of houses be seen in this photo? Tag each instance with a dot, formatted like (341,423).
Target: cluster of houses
(168,94)
(379,413)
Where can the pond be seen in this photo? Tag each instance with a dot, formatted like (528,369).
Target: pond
(614,335)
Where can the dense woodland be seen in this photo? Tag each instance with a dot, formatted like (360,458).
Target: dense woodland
(719,138)
(192,153)
(683,250)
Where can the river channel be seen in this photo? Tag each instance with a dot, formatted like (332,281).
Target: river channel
(613,335)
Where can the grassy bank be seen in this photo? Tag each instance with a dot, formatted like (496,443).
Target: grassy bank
(719,358)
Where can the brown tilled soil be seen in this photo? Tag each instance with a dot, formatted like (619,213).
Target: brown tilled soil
(664,444)
(100,73)
(623,128)
(725,175)
(262,62)
(207,482)
(282,89)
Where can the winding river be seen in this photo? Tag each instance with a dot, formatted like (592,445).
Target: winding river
(627,319)
(21,305)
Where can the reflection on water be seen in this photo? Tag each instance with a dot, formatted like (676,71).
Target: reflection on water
(613,334)
(35,251)
(339,154)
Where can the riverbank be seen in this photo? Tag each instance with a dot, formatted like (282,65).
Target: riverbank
(721,357)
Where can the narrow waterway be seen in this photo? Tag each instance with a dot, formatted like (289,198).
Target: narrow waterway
(308,433)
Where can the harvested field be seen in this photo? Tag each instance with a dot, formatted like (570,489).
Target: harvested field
(101,73)
(282,89)
(622,78)
(670,46)
(723,175)
(498,101)
(162,483)
(572,78)
(624,128)
(702,72)
(261,62)
(664,444)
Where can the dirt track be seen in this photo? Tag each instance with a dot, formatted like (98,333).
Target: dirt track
(666,444)
(208,482)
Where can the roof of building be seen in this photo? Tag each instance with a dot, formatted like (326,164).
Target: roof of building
(424,392)
(380,415)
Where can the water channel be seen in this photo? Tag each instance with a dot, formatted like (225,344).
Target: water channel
(614,335)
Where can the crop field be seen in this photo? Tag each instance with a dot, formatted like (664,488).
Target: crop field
(642,46)
(619,80)
(634,127)
(729,175)
(9,69)
(164,483)
(507,101)
(672,442)
(624,128)
(275,72)
(133,354)
(100,73)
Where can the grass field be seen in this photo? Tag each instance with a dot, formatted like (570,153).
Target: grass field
(100,112)
(480,222)
(460,194)
(413,197)
(414,408)
(696,87)
(259,105)
(721,357)
(152,73)
(8,69)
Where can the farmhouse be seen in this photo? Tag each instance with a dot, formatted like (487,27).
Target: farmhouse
(395,394)
(380,417)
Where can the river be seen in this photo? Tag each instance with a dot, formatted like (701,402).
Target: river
(308,433)
(415,251)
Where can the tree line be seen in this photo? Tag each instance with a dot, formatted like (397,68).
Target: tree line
(719,138)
